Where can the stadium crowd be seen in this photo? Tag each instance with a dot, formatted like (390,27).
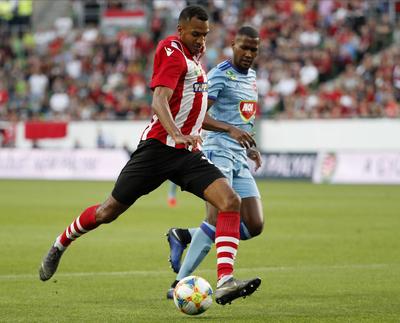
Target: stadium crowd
(318,59)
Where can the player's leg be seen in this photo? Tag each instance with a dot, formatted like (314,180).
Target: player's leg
(133,182)
(178,239)
(252,219)
(200,177)
(89,220)
(203,236)
(225,199)
(235,169)
(200,245)
(251,225)
(171,200)
(245,186)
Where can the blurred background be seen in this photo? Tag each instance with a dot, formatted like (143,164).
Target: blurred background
(74,81)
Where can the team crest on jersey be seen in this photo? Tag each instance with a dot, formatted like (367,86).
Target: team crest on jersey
(231,75)
(200,87)
(197,71)
(168,51)
(247,110)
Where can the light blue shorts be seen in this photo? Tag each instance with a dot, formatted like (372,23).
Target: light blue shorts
(236,170)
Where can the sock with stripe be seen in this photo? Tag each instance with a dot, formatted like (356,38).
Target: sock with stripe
(186,235)
(192,231)
(202,240)
(82,224)
(227,241)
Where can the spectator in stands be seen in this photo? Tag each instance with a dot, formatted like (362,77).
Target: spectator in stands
(305,44)
(38,83)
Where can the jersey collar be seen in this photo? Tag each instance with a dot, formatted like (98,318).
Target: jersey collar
(237,69)
(186,51)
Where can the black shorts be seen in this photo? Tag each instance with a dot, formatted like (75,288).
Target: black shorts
(152,163)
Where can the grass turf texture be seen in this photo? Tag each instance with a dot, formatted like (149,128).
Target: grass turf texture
(328,254)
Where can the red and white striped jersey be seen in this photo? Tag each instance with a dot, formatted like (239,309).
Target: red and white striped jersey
(175,68)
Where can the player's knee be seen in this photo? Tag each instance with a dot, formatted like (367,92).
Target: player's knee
(230,202)
(105,215)
(110,210)
(211,218)
(256,227)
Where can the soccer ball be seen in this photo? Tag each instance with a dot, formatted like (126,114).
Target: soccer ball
(193,295)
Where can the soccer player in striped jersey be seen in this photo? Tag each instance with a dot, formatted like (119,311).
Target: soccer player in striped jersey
(232,100)
(168,150)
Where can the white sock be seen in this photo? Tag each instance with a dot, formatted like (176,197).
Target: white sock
(59,245)
(223,280)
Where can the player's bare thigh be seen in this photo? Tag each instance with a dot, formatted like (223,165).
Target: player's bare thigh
(109,210)
(221,195)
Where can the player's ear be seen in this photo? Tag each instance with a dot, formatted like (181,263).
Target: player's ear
(179,28)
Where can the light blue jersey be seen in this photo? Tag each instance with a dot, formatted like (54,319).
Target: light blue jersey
(235,100)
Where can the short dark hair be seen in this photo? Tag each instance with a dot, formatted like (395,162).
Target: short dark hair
(193,11)
(248,31)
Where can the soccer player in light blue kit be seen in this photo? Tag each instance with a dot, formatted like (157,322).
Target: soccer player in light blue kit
(232,104)
(171,198)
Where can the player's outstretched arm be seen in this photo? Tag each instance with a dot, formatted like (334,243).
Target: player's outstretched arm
(244,138)
(160,105)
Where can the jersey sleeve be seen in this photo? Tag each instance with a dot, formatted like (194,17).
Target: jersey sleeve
(169,65)
(216,83)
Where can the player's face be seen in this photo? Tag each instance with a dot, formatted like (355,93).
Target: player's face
(193,34)
(245,50)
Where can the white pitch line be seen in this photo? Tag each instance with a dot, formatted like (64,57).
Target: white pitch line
(168,272)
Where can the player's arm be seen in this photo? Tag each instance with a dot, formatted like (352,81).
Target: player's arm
(244,138)
(160,105)
(255,156)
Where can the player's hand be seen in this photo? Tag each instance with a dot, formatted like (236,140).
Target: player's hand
(190,142)
(244,138)
(255,156)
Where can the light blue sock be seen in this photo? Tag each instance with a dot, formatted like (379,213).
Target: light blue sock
(199,247)
(192,231)
(172,190)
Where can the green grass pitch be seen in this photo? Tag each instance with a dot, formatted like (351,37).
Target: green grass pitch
(327,254)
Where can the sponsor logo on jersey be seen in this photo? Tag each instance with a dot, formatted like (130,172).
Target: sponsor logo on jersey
(247,110)
(197,71)
(231,75)
(169,51)
(200,87)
